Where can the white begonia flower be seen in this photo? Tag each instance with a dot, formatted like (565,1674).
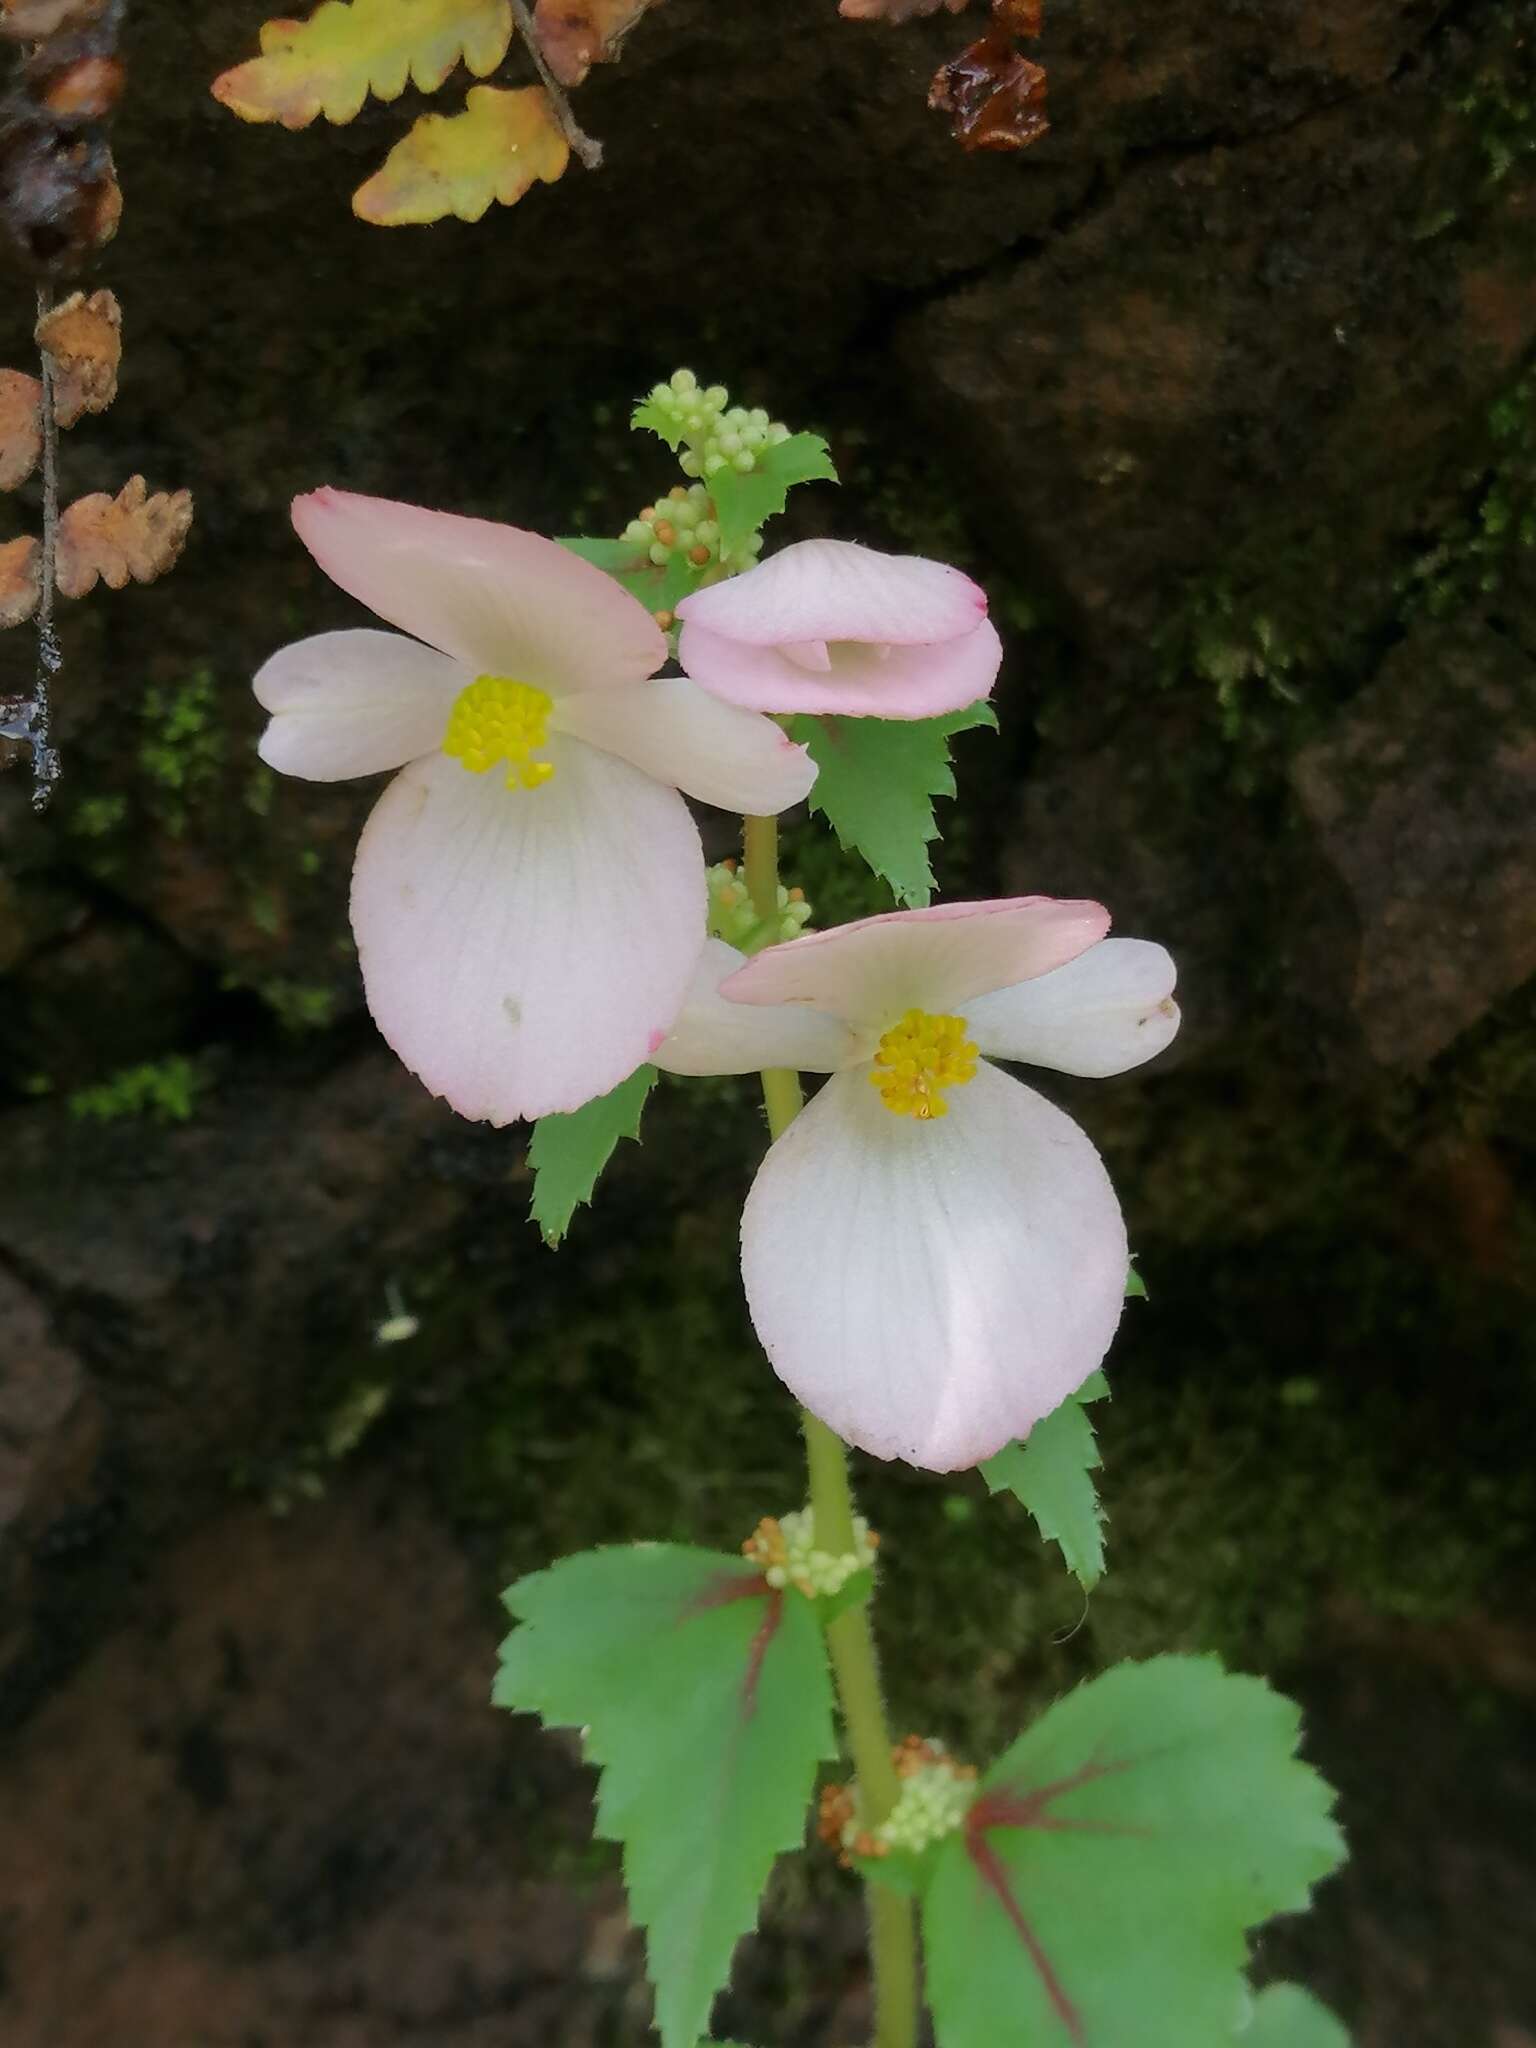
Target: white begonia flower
(933,1255)
(526,935)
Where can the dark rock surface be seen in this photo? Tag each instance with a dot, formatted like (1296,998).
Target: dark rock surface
(1226,391)
(1424,795)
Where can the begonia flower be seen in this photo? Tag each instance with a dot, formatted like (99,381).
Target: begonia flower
(528,897)
(827,625)
(933,1255)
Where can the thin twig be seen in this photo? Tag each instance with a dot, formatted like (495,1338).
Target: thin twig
(586,146)
(45,758)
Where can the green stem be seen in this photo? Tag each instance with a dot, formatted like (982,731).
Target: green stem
(851,1637)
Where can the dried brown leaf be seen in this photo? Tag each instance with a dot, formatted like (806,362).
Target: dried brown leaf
(21,580)
(84,338)
(21,427)
(132,534)
(993,94)
(576,34)
(1018,17)
(33,21)
(894,11)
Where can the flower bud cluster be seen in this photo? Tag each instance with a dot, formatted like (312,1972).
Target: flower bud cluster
(718,438)
(936,1795)
(733,915)
(684,523)
(785,1547)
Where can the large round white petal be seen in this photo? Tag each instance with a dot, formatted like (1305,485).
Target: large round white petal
(856,679)
(1106,1011)
(353,703)
(681,735)
(838,590)
(937,960)
(504,601)
(930,1290)
(713,1036)
(524,950)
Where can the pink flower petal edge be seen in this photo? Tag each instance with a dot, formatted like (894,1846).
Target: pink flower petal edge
(857,681)
(839,590)
(936,959)
(503,601)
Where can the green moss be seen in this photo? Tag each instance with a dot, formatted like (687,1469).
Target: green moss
(1493,539)
(299,1006)
(98,817)
(164,1091)
(183,746)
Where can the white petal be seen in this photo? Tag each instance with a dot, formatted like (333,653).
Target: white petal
(681,735)
(1106,1011)
(353,703)
(930,1290)
(713,1036)
(525,950)
(937,960)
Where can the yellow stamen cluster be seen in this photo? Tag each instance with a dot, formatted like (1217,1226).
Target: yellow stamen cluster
(918,1059)
(497,719)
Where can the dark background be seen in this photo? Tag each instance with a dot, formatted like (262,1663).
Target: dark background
(1227,392)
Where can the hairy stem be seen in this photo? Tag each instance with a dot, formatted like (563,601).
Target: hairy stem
(851,1637)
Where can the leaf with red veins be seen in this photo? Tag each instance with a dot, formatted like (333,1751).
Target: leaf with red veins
(994,96)
(704,1696)
(1115,1856)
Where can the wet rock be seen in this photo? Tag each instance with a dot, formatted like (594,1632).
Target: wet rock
(220,1280)
(1424,798)
(50,1437)
(276,1806)
(1239,388)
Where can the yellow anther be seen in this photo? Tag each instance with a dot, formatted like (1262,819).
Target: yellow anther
(918,1059)
(496,719)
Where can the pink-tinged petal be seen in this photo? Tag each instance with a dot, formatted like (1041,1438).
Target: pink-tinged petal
(936,960)
(353,703)
(500,600)
(860,680)
(930,1290)
(713,1036)
(1103,1013)
(681,735)
(523,950)
(837,590)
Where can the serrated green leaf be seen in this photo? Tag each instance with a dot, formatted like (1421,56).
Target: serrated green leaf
(876,781)
(744,501)
(659,587)
(1286,2016)
(1051,1473)
(654,421)
(1101,1889)
(1135,1286)
(568,1152)
(705,1699)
